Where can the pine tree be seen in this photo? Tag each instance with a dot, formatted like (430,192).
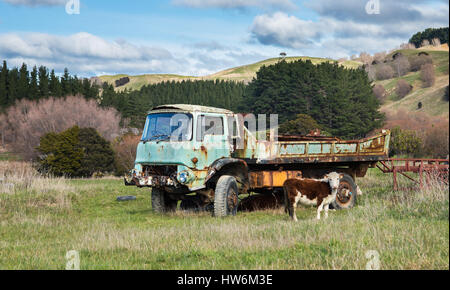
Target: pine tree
(3,82)
(33,92)
(24,82)
(55,85)
(43,82)
(12,86)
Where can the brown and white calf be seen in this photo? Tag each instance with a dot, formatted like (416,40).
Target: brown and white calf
(319,192)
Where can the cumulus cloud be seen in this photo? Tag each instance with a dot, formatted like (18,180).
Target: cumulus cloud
(390,11)
(237,4)
(86,54)
(343,27)
(36,2)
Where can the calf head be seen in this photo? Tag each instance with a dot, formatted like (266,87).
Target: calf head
(333,179)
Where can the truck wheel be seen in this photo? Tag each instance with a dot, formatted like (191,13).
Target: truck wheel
(226,196)
(347,192)
(161,202)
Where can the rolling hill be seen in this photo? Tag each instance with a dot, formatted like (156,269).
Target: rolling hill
(243,73)
(431,98)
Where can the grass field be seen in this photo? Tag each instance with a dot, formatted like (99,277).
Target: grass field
(41,219)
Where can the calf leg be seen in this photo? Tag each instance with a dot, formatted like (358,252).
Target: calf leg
(327,207)
(320,202)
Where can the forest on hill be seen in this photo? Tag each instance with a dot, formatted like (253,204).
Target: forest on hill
(339,99)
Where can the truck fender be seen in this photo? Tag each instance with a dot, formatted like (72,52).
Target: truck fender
(219,164)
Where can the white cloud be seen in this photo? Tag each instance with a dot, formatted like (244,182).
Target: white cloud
(343,29)
(87,55)
(36,2)
(237,4)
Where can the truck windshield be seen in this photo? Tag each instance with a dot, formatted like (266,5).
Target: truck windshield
(168,127)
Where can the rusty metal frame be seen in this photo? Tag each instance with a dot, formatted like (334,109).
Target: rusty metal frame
(424,167)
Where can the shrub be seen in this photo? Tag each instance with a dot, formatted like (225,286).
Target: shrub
(403,88)
(405,142)
(302,125)
(75,153)
(416,62)
(384,72)
(25,122)
(427,75)
(125,153)
(436,143)
(379,92)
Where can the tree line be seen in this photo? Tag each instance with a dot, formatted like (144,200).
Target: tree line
(428,35)
(40,83)
(340,100)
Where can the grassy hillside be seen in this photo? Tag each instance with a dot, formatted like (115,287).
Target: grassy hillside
(242,73)
(41,219)
(431,98)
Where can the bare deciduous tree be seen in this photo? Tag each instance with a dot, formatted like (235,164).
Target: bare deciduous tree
(401,65)
(416,62)
(403,88)
(427,75)
(436,42)
(384,72)
(425,42)
(24,123)
(379,92)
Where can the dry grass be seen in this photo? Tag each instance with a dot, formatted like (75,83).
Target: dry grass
(409,229)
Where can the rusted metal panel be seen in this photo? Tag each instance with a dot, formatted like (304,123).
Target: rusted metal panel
(270,179)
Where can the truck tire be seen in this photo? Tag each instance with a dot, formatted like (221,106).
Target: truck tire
(347,192)
(161,202)
(226,196)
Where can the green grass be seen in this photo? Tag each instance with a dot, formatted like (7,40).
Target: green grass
(7,156)
(41,221)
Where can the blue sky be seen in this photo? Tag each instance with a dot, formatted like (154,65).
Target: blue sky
(199,37)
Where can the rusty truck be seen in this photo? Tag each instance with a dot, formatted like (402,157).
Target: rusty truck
(215,160)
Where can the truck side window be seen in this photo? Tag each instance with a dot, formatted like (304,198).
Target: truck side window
(209,125)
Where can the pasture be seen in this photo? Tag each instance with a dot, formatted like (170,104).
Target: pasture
(41,219)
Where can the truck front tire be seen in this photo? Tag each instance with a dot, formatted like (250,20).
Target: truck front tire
(226,196)
(161,202)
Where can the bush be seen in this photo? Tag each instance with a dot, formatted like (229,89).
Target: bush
(125,153)
(436,142)
(24,123)
(384,72)
(416,62)
(75,153)
(427,75)
(405,142)
(302,125)
(379,92)
(403,88)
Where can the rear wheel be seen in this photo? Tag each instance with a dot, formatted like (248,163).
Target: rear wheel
(347,192)
(161,202)
(226,196)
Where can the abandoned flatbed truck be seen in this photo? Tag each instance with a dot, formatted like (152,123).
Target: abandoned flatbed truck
(215,159)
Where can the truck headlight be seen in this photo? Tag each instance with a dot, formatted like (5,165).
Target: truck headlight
(183,177)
